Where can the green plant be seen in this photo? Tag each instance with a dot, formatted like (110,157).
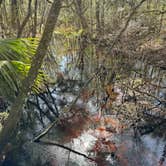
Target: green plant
(15,62)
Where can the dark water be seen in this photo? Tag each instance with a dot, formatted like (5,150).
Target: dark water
(146,151)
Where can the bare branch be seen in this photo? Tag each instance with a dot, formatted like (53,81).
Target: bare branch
(51,143)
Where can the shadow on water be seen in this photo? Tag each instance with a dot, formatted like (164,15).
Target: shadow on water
(100,138)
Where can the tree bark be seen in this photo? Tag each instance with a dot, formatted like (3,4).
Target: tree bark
(34,29)
(83,43)
(98,26)
(16,109)
(0,2)
(15,15)
(21,28)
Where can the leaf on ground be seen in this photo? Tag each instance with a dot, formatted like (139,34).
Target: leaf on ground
(104,146)
(72,126)
(86,94)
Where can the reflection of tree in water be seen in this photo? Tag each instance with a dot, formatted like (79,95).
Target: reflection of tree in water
(129,51)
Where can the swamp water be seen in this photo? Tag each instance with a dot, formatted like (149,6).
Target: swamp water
(146,151)
(106,147)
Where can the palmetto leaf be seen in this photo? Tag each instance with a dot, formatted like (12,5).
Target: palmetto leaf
(18,49)
(9,82)
(22,70)
(15,61)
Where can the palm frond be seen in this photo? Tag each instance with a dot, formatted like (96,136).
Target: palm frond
(8,80)
(15,62)
(18,49)
(22,70)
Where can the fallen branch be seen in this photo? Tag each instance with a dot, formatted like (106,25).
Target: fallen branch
(51,143)
(37,138)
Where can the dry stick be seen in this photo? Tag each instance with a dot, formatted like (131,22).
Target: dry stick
(41,96)
(53,100)
(149,82)
(51,143)
(37,138)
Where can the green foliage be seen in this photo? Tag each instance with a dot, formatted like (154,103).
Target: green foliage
(18,49)
(15,61)
(68,32)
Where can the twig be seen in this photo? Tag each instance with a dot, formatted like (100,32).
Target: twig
(37,138)
(155,11)
(52,98)
(42,97)
(73,103)
(52,143)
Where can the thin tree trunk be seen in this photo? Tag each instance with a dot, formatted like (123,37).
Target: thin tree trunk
(35,20)
(21,28)
(14,15)
(102,17)
(83,43)
(16,109)
(80,13)
(1,2)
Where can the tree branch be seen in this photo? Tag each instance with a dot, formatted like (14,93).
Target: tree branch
(25,20)
(51,143)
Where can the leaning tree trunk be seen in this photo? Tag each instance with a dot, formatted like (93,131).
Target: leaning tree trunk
(16,109)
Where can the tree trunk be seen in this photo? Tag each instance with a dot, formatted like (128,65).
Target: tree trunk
(98,28)
(0,2)
(34,29)
(83,39)
(16,109)
(15,15)
(21,28)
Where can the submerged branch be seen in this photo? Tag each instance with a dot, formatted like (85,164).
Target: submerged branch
(37,138)
(51,143)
